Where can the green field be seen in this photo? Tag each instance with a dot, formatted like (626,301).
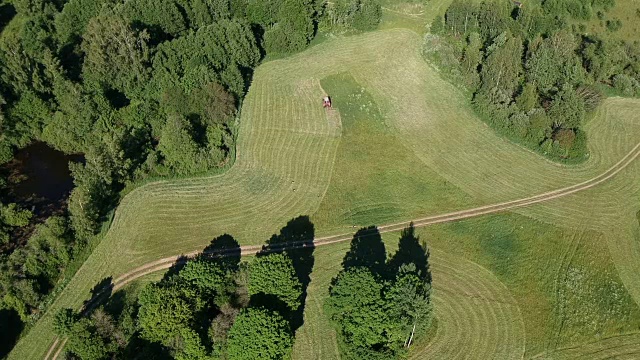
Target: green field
(516,298)
(407,146)
(628,12)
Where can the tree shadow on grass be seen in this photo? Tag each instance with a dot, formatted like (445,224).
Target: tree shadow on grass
(99,293)
(10,328)
(178,265)
(116,303)
(7,12)
(367,250)
(299,232)
(226,249)
(411,250)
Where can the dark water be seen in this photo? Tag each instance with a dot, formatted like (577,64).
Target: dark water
(43,174)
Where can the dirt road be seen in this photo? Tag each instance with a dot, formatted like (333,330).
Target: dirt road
(165,263)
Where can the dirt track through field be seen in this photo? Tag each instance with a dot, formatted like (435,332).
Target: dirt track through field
(167,262)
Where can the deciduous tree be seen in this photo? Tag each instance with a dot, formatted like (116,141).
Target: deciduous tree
(259,334)
(273,274)
(115,54)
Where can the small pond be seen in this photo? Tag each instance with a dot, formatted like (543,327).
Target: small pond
(39,177)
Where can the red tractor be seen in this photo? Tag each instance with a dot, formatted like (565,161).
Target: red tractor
(326,102)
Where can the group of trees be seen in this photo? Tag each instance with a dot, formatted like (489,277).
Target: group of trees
(352,14)
(533,76)
(381,306)
(208,307)
(32,270)
(140,88)
(215,307)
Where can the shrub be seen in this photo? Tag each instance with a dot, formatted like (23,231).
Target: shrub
(614,25)
(626,85)
(368,16)
(259,334)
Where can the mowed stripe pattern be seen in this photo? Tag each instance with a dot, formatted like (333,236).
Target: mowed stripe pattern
(436,122)
(287,145)
(477,316)
(285,152)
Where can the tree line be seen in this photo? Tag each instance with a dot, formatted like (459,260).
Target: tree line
(533,72)
(140,88)
(216,307)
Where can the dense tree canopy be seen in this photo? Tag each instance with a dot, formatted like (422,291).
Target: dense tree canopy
(356,303)
(32,270)
(205,307)
(274,274)
(115,55)
(164,312)
(356,14)
(259,334)
(11,216)
(535,76)
(379,309)
(140,88)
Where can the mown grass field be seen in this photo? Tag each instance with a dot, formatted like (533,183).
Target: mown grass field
(627,11)
(506,286)
(498,293)
(409,146)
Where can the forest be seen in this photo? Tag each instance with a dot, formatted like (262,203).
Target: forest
(214,306)
(532,71)
(133,91)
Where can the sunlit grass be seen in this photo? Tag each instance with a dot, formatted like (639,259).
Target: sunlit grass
(626,11)
(424,153)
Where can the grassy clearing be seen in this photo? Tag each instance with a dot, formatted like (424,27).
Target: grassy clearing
(376,179)
(621,347)
(563,281)
(628,11)
(474,311)
(287,148)
(413,15)
(407,15)
(503,285)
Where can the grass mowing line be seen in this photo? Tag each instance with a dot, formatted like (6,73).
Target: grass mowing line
(470,300)
(607,348)
(453,216)
(277,203)
(165,263)
(256,193)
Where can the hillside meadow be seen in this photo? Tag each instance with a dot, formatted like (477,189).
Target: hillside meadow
(403,143)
